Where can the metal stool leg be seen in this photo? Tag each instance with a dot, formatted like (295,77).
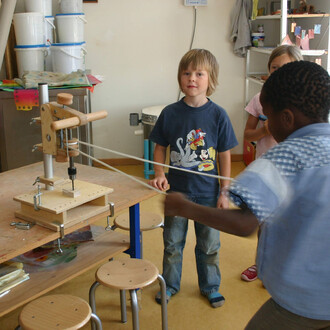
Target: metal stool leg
(92,300)
(123,306)
(97,321)
(162,284)
(135,309)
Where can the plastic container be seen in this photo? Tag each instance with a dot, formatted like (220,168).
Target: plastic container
(71,6)
(30,58)
(257,39)
(68,57)
(70,27)
(49,30)
(40,6)
(29,28)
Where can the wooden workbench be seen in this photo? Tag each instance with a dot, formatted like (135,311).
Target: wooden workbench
(13,241)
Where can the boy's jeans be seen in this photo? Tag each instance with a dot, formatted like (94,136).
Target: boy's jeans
(206,251)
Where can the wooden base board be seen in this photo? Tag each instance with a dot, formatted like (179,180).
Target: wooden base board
(57,208)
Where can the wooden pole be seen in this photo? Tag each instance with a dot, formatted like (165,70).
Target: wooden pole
(6,15)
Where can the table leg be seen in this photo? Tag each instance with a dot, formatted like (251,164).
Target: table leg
(134,222)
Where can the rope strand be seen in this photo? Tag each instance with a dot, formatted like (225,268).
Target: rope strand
(118,171)
(152,162)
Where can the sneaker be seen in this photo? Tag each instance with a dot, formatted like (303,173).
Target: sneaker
(250,274)
(216,299)
(158,297)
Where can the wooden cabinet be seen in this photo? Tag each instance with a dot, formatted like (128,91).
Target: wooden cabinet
(18,135)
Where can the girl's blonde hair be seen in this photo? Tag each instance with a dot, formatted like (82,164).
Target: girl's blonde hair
(292,51)
(201,59)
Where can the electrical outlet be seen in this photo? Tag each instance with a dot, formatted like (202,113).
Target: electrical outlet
(195,2)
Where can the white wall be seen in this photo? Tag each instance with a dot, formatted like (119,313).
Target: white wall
(137,45)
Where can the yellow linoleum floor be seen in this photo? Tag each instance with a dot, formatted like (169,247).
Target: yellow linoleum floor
(188,309)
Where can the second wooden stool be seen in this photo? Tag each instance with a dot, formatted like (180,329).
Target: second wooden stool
(148,221)
(59,311)
(129,274)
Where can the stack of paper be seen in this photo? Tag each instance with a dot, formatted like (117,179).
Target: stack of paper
(11,274)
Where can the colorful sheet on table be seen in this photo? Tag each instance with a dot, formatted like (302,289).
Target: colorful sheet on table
(26,98)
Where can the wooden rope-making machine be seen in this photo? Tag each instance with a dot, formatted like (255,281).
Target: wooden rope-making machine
(61,203)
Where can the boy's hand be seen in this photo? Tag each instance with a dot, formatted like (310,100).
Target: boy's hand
(222,202)
(173,203)
(159,182)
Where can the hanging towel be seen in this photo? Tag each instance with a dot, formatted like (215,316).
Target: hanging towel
(241,26)
(255,9)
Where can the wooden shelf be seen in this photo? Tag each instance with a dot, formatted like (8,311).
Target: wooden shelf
(269,17)
(262,50)
(256,79)
(279,16)
(307,15)
(268,50)
(89,255)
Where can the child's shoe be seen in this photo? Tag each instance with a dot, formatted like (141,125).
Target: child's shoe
(216,299)
(250,274)
(158,297)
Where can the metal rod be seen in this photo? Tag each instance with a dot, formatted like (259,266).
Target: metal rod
(48,159)
(71,170)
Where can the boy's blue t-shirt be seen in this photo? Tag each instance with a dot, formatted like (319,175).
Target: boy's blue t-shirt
(195,136)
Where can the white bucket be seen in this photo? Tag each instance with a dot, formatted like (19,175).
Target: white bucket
(49,30)
(29,28)
(30,58)
(70,27)
(40,6)
(68,57)
(48,60)
(71,6)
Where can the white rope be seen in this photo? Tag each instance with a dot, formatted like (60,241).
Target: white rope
(118,171)
(152,162)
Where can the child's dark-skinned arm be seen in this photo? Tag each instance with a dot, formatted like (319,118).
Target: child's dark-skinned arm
(239,222)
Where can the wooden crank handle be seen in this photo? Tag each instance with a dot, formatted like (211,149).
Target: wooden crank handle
(74,121)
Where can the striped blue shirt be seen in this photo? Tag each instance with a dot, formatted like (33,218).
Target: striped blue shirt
(288,190)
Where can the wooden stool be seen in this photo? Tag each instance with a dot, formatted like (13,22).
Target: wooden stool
(129,274)
(59,311)
(148,221)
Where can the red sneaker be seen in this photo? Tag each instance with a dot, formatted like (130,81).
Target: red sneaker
(250,274)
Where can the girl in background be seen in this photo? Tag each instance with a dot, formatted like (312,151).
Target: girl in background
(256,128)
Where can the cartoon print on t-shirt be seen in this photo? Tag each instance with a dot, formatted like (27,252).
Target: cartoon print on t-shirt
(187,156)
(195,138)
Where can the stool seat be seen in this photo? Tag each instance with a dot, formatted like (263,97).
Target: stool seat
(59,311)
(127,274)
(148,221)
